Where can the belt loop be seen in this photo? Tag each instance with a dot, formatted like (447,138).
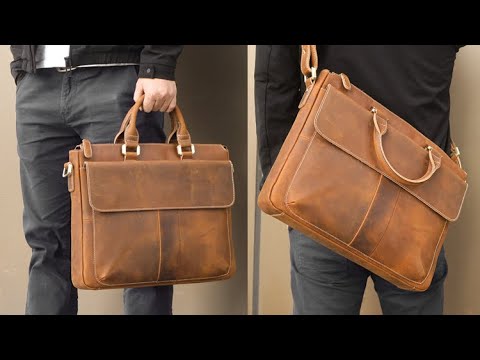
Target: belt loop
(68,63)
(68,66)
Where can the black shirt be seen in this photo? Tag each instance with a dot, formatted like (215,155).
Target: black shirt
(413,81)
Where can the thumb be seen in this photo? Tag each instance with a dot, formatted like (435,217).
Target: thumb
(138,90)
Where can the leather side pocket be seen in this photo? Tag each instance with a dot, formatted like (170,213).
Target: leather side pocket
(122,241)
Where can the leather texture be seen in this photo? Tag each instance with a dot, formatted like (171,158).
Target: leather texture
(363,182)
(157,216)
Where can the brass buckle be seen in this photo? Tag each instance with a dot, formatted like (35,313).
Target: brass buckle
(67,170)
(180,151)
(313,77)
(124,150)
(65,69)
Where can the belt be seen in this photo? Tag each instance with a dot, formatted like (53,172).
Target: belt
(65,69)
(70,68)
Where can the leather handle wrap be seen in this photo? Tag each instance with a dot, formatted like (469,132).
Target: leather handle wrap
(379,129)
(309,61)
(128,133)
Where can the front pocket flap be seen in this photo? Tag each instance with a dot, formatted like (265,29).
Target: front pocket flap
(159,185)
(349,126)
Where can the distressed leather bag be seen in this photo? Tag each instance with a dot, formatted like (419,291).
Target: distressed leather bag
(363,182)
(150,214)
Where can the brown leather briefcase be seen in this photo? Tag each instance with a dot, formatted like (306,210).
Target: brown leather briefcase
(363,182)
(150,214)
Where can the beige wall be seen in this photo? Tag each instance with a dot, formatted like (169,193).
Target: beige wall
(252,153)
(214,101)
(15,254)
(463,248)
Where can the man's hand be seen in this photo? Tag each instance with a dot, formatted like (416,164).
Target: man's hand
(160,94)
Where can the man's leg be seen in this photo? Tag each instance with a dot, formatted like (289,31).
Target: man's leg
(396,301)
(100,99)
(43,144)
(323,282)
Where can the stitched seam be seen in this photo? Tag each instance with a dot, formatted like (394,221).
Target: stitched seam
(176,281)
(82,220)
(230,245)
(233,186)
(274,182)
(172,147)
(168,281)
(186,279)
(162,208)
(399,184)
(179,243)
(378,264)
(383,173)
(388,224)
(436,248)
(406,122)
(368,211)
(353,250)
(285,199)
(95,260)
(159,237)
(95,251)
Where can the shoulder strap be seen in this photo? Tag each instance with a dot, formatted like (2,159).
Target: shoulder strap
(309,63)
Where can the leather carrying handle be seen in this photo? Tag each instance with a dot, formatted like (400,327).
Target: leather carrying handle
(309,59)
(128,133)
(309,63)
(380,128)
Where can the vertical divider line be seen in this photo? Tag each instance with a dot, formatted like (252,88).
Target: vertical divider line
(159,238)
(256,243)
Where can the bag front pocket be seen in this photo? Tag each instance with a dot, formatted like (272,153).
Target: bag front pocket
(161,221)
(122,242)
(330,191)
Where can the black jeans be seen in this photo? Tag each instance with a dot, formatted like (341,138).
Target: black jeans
(55,111)
(325,283)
